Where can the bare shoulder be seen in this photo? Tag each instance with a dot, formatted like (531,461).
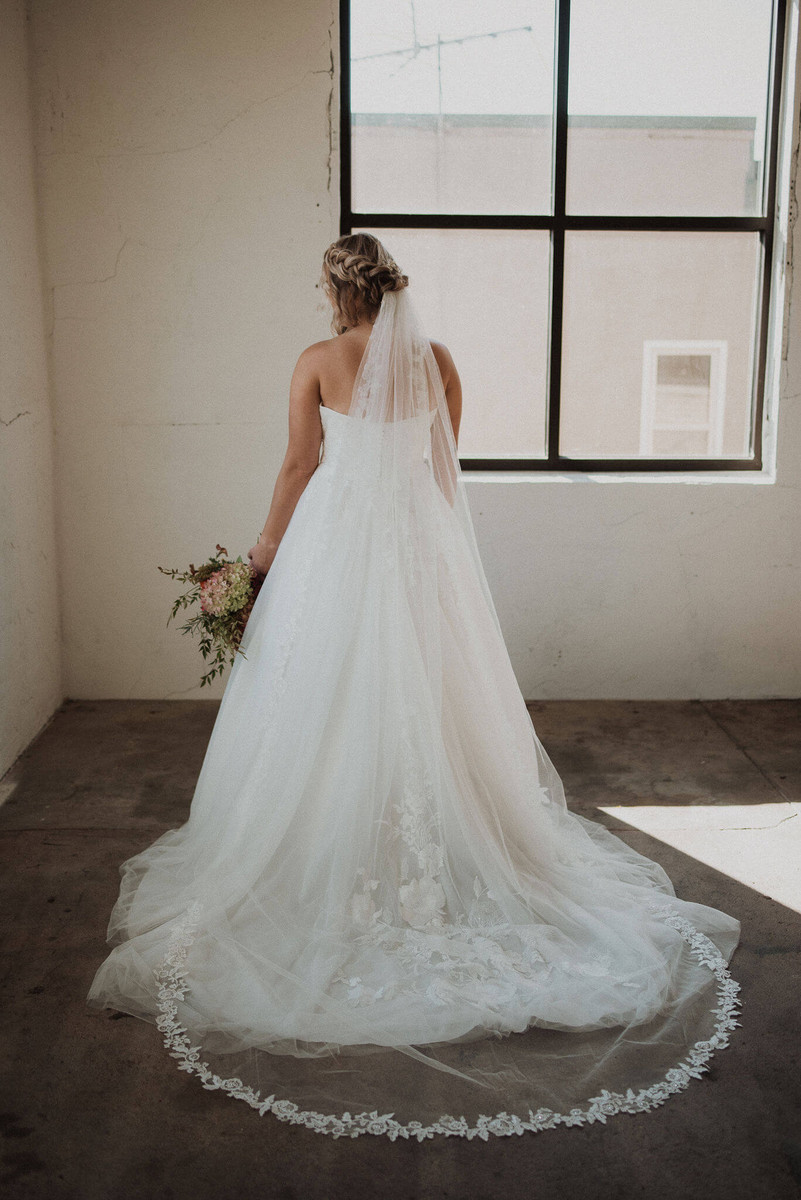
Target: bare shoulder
(314,356)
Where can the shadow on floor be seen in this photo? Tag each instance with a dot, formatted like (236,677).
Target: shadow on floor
(95,1108)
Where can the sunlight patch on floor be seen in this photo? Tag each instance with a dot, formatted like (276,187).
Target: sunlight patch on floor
(7,788)
(756,844)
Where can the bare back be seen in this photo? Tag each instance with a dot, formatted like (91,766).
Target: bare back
(337,362)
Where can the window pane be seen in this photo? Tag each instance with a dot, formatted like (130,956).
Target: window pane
(684,370)
(684,443)
(484,293)
(681,408)
(658,338)
(667,106)
(451,106)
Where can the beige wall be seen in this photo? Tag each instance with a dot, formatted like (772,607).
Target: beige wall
(30,667)
(185,159)
(188,189)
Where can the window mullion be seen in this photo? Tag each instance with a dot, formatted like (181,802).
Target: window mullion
(345,184)
(559,191)
(778,47)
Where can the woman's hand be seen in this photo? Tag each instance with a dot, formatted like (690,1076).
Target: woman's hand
(261,557)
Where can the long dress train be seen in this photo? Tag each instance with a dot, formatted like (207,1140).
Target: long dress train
(380,915)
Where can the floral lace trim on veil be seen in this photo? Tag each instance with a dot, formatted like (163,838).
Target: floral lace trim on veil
(173,986)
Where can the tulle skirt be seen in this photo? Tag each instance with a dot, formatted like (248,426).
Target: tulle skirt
(380,915)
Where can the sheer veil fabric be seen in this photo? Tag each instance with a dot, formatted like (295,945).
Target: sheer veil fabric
(380,916)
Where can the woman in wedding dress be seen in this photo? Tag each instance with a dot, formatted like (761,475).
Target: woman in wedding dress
(380,916)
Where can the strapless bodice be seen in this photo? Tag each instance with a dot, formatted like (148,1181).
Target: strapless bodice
(352,441)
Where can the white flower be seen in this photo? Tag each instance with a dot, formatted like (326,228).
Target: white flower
(543,1118)
(284,1109)
(503,1125)
(422,902)
(356,990)
(434,994)
(377,1124)
(603,1106)
(452,1125)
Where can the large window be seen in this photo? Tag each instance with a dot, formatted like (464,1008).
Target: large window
(583,195)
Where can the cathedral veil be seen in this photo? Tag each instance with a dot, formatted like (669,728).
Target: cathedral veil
(381,916)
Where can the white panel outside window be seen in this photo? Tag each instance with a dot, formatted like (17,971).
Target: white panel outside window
(683,398)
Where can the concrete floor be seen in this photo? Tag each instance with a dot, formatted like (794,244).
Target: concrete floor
(94,1107)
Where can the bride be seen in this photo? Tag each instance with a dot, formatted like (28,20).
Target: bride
(380,916)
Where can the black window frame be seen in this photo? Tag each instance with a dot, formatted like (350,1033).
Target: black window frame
(559,222)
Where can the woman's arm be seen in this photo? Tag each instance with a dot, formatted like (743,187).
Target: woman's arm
(442,464)
(452,385)
(301,458)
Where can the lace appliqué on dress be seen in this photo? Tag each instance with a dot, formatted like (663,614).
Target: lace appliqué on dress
(445,953)
(173,987)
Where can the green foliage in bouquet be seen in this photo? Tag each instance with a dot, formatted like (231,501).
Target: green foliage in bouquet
(225,589)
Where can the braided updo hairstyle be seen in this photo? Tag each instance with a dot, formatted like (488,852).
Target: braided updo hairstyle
(357,270)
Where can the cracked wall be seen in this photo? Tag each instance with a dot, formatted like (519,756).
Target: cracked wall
(188,186)
(185,177)
(30,668)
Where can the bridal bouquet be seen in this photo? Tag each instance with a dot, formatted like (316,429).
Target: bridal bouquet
(226,590)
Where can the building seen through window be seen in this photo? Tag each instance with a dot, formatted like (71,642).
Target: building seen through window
(582,196)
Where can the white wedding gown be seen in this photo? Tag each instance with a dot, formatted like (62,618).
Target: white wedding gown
(380,916)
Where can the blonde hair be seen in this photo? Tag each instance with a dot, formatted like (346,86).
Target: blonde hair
(357,270)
